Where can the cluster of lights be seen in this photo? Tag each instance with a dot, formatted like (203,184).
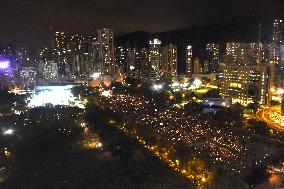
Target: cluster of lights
(225,148)
(176,86)
(157,87)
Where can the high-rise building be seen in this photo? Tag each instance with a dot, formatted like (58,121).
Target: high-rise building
(120,58)
(245,84)
(197,66)
(50,72)
(169,60)
(275,54)
(28,76)
(212,56)
(133,62)
(276,39)
(60,46)
(105,47)
(206,67)
(145,64)
(60,43)
(243,54)
(189,60)
(155,59)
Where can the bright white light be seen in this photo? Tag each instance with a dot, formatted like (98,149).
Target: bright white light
(131,67)
(55,95)
(106,93)
(99,145)
(96,75)
(197,83)
(157,86)
(8,132)
(175,84)
(280,91)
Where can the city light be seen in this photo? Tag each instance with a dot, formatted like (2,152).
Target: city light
(8,132)
(96,75)
(106,93)
(54,95)
(157,87)
(197,83)
(4,64)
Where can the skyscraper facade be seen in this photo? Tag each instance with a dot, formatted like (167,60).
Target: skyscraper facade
(189,60)
(197,66)
(155,59)
(105,45)
(245,84)
(212,56)
(243,54)
(169,60)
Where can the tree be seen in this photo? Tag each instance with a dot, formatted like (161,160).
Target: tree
(259,127)
(193,107)
(212,93)
(253,106)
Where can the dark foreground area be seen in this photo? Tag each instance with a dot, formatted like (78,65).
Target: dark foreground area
(45,152)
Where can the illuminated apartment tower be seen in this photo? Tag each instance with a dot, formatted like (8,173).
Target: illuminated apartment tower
(106,51)
(245,84)
(276,39)
(50,72)
(243,54)
(60,49)
(197,66)
(155,59)
(212,55)
(28,76)
(189,60)
(169,60)
(120,58)
(79,55)
(277,53)
(60,42)
(132,61)
(145,64)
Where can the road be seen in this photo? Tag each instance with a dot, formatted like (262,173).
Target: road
(263,115)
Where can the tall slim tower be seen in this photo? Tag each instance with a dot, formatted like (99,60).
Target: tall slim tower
(145,64)
(189,60)
(169,60)
(212,55)
(60,49)
(106,51)
(155,59)
(275,52)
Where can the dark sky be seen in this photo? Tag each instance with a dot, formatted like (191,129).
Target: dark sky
(29,21)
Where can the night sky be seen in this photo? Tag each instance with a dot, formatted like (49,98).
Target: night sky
(30,21)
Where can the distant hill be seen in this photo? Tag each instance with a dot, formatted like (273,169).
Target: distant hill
(198,36)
